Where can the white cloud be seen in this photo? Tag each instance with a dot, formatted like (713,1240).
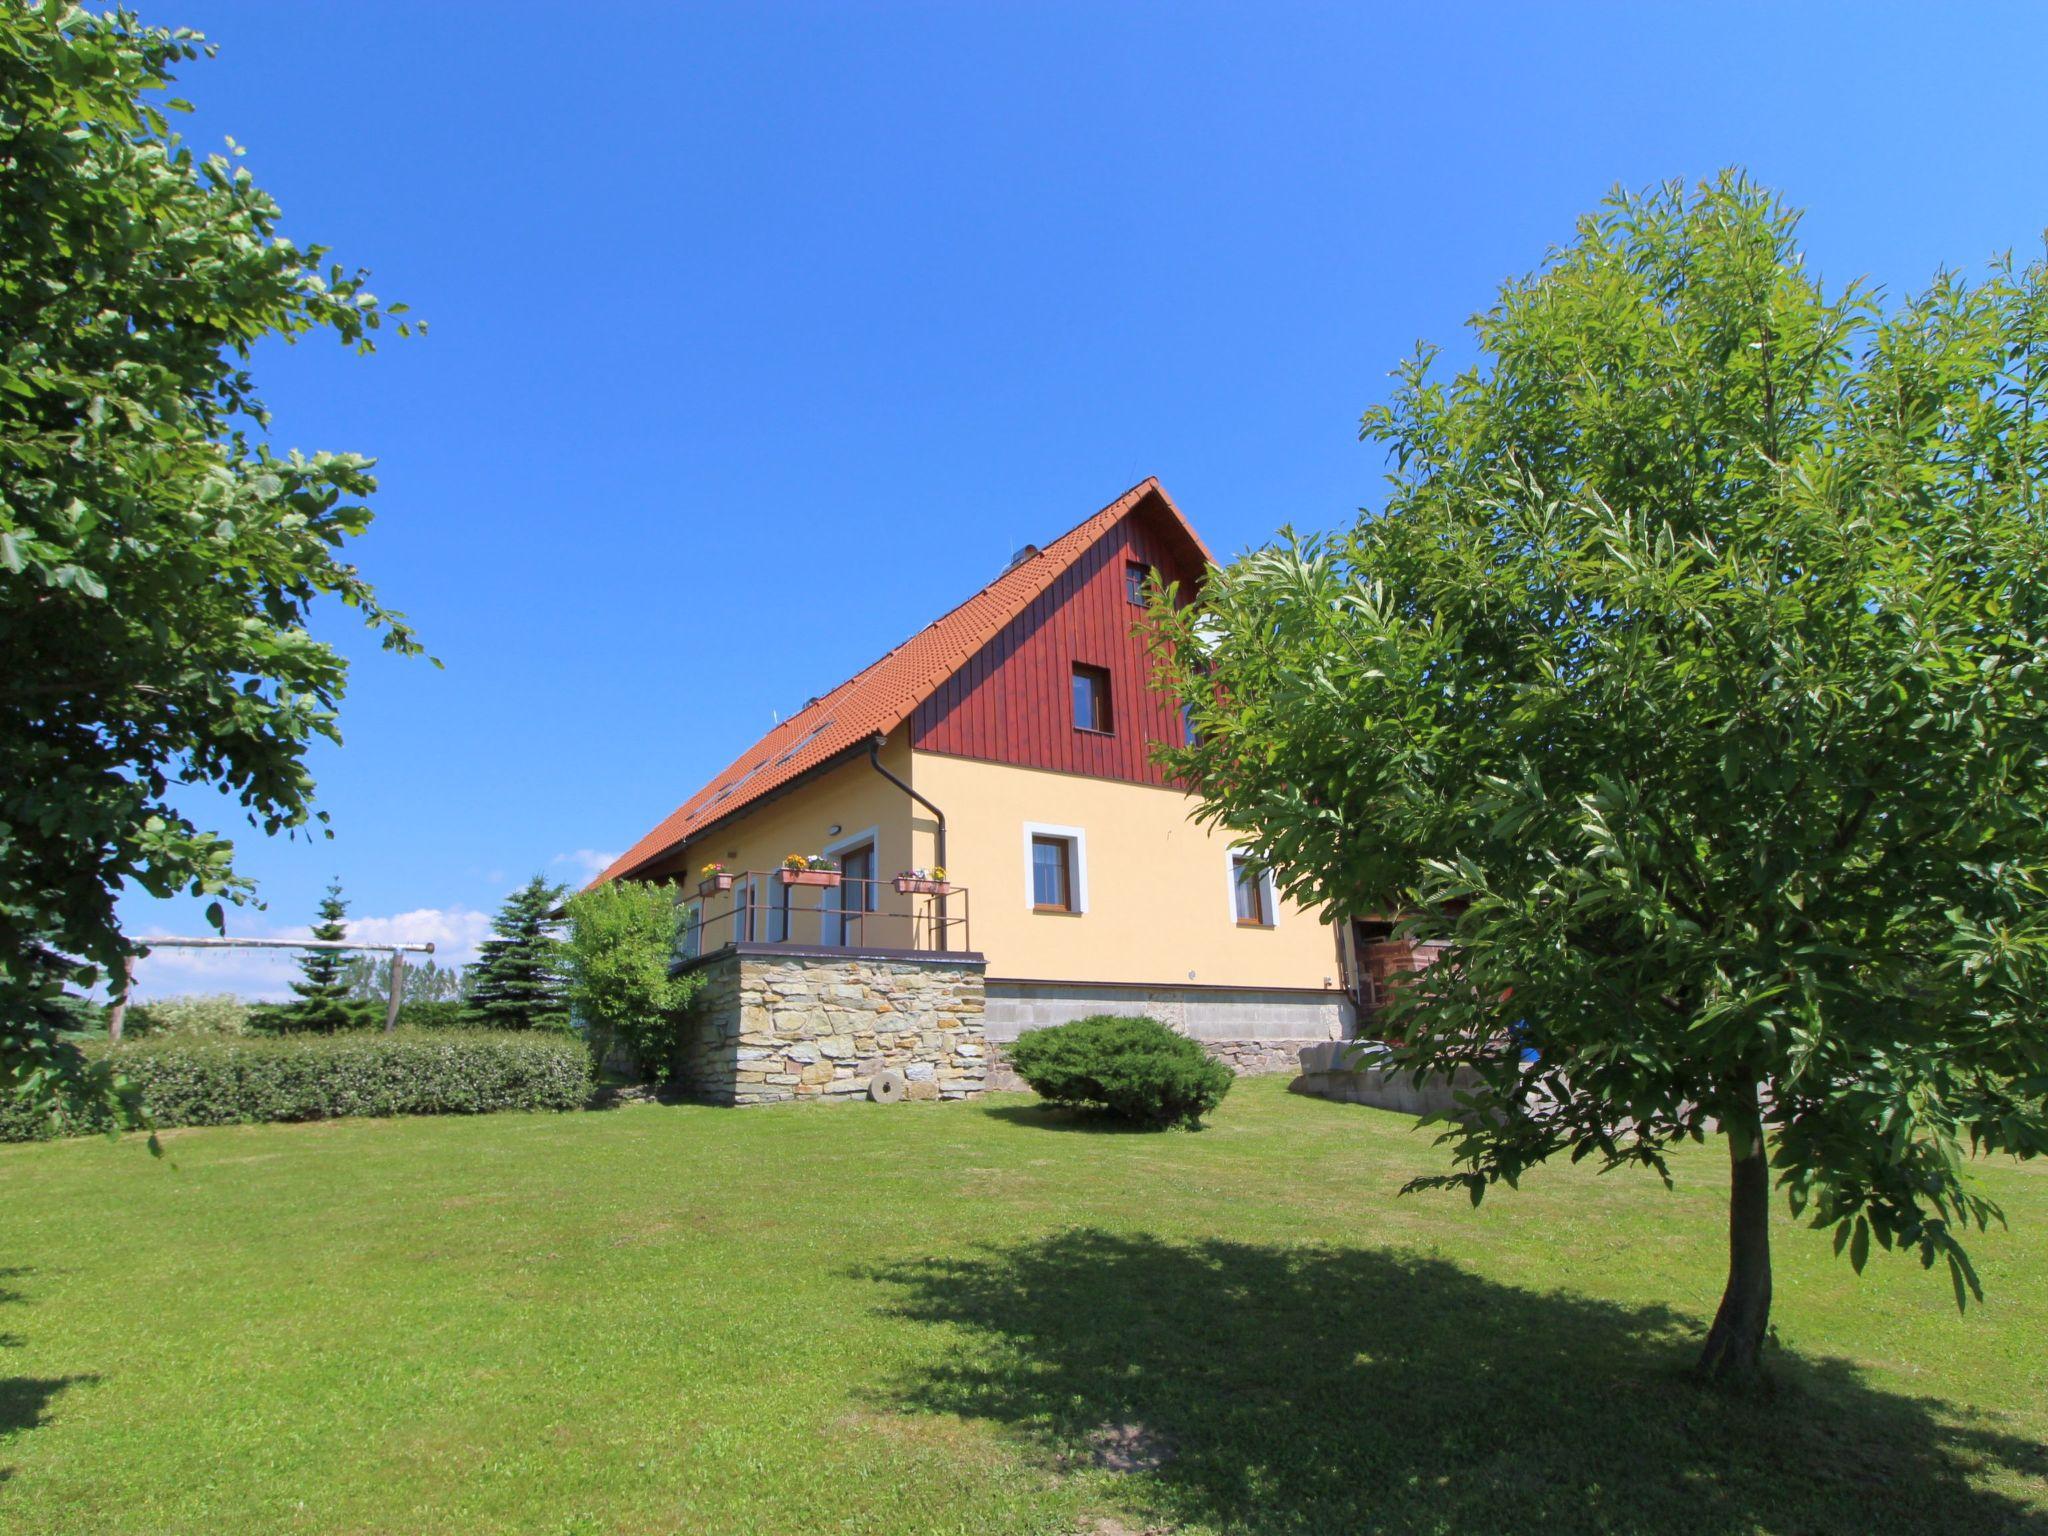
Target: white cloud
(588,860)
(266,974)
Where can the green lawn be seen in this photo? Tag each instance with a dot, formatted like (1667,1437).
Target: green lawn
(922,1319)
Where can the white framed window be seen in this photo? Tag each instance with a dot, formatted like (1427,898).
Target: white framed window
(1055,868)
(690,942)
(1251,894)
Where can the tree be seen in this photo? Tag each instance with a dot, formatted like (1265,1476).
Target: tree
(322,988)
(624,937)
(518,974)
(368,978)
(157,559)
(1689,685)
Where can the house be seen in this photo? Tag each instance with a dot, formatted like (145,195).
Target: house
(1008,743)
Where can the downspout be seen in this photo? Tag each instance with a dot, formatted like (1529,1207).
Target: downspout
(939,841)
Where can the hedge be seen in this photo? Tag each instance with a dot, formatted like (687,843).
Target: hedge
(189,1081)
(1132,1068)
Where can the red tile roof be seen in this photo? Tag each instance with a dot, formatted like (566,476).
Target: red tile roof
(877,699)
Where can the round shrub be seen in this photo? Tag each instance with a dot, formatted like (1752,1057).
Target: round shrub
(1133,1068)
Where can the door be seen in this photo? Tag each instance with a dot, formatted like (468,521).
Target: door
(856,895)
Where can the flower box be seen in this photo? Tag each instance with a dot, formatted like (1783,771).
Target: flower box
(824,877)
(712,883)
(909,885)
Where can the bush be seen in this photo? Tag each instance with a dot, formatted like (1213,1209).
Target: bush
(208,1013)
(623,939)
(324,1017)
(440,1013)
(1133,1068)
(225,1081)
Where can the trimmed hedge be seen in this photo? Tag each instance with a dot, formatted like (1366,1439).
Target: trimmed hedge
(1134,1068)
(318,1077)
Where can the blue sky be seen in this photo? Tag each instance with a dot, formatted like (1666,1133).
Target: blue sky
(762,334)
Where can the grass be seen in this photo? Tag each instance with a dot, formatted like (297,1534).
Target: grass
(935,1318)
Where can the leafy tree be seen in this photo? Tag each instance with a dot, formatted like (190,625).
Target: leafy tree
(368,978)
(157,558)
(1690,684)
(624,937)
(517,982)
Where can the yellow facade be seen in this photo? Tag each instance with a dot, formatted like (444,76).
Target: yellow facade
(1159,904)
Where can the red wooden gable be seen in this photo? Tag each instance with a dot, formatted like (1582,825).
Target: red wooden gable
(1012,702)
(1043,591)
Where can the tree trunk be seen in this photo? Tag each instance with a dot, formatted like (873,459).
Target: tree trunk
(1734,1350)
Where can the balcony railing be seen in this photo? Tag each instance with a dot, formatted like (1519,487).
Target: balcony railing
(764,906)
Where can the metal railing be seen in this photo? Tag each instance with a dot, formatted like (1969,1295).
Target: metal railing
(820,911)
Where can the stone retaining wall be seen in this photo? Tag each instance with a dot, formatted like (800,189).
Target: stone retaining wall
(1260,1058)
(772,1024)
(1340,1069)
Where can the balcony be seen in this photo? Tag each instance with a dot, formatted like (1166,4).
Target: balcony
(826,913)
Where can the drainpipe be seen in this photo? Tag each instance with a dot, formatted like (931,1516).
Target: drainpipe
(939,841)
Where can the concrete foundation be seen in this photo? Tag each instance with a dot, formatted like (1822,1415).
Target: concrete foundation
(1204,1013)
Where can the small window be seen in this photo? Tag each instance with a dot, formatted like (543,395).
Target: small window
(1091,700)
(1052,874)
(1136,574)
(1254,893)
(1189,736)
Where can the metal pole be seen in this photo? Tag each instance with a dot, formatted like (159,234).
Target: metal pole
(377,949)
(397,991)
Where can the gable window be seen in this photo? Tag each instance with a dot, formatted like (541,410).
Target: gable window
(1136,574)
(1055,868)
(1251,893)
(1189,736)
(1091,700)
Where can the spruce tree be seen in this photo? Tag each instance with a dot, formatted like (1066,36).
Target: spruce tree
(322,988)
(518,978)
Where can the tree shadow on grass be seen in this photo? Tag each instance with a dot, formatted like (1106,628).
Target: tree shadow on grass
(1314,1389)
(24,1400)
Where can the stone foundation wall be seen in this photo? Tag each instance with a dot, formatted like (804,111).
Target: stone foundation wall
(1332,1070)
(1260,1058)
(1222,1016)
(772,1025)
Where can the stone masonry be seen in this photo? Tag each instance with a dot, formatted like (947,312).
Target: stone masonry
(775,1024)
